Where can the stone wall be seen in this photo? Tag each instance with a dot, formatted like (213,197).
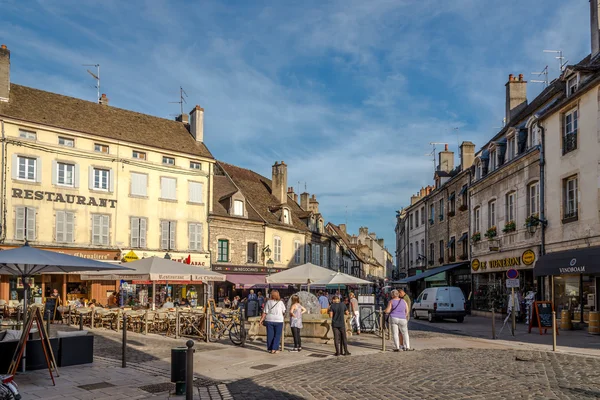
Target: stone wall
(239,233)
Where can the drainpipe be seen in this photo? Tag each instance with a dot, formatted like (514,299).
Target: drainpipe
(3,182)
(542,210)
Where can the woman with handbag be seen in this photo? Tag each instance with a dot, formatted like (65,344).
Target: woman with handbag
(272,318)
(296,311)
(398,312)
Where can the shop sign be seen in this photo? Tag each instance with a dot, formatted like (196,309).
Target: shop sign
(245,270)
(60,198)
(98,255)
(131,256)
(526,259)
(200,260)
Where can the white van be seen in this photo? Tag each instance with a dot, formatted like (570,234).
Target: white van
(440,302)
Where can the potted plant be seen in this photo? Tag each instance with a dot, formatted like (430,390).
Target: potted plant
(476,237)
(441,217)
(491,233)
(451,213)
(431,221)
(510,226)
(451,258)
(463,257)
(532,220)
(441,260)
(463,207)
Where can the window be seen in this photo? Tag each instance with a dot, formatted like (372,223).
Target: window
(195,237)
(465,246)
(65,174)
(441,260)
(297,255)
(572,85)
(476,219)
(441,207)
(432,213)
(101,178)
(452,202)
(533,137)
(325,256)
(431,253)
(167,235)
(307,253)
(195,189)
(286,218)
(138,232)
(453,248)
(570,131)
(416,218)
(101,148)
(168,160)
(410,254)
(223,253)
(512,148)
(251,253)
(491,214)
(65,223)
(277,249)
(195,165)
(139,184)
(422,215)
(27,134)
(464,201)
(27,168)
(25,223)
(100,224)
(478,170)
(423,247)
(168,188)
(238,207)
(534,198)
(570,198)
(510,207)
(140,155)
(64,141)
(411,221)
(317,255)
(493,160)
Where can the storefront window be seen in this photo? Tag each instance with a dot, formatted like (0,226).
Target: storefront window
(490,289)
(568,296)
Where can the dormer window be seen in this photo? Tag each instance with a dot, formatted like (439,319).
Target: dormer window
(286,216)
(493,159)
(512,148)
(238,208)
(478,170)
(533,136)
(572,84)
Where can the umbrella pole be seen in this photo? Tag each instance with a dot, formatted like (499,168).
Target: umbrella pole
(25,295)
(153,295)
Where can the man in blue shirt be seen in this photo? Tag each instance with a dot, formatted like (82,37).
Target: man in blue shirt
(252,296)
(324,302)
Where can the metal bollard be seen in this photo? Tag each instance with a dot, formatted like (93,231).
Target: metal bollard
(189,371)
(381,322)
(49,314)
(80,321)
(69,318)
(553,330)
(92,318)
(243,327)
(124,349)
(283,337)
(146,323)
(177,323)
(493,324)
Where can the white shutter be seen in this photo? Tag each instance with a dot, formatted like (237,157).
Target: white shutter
(15,167)
(135,232)
(96,229)
(143,233)
(168,187)
(19,223)
(38,169)
(54,172)
(76,176)
(111,181)
(91,177)
(195,189)
(192,236)
(139,184)
(30,223)
(164,234)
(172,225)
(60,226)
(105,222)
(70,227)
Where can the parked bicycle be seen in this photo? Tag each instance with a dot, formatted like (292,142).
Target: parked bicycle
(222,324)
(371,323)
(8,388)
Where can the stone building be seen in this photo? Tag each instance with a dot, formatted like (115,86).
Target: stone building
(348,261)
(100,182)
(373,248)
(412,249)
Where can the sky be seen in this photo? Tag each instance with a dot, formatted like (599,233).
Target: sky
(348,93)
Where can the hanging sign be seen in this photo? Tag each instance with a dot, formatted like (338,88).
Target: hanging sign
(131,256)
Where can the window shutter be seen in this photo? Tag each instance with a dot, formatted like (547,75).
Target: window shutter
(139,184)
(195,189)
(30,223)
(143,222)
(54,172)
(135,232)
(38,169)
(69,227)
(15,167)
(60,226)
(96,229)
(76,176)
(20,223)
(91,177)
(192,236)
(111,181)
(105,222)
(172,226)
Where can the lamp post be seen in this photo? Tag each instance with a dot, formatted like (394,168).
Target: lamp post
(267,254)
(533,222)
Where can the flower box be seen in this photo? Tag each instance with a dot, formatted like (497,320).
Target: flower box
(511,226)
(463,207)
(451,213)
(441,260)
(451,259)
(441,217)
(431,221)
(532,220)
(476,237)
(491,233)
(463,257)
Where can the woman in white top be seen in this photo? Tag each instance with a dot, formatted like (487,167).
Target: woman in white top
(272,317)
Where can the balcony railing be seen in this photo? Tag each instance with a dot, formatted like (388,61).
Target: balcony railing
(569,142)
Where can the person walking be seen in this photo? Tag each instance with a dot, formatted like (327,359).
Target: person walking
(355,312)
(324,302)
(261,301)
(272,317)
(398,311)
(337,312)
(296,311)
(252,296)
(404,296)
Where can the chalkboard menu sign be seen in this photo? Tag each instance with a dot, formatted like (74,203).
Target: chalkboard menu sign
(51,304)
(541,316)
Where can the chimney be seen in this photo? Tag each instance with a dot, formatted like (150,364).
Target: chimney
(184,118)
(304,201)
(380,242)
(197,123)
(595,27)
(313,204)
(516,96)
(342,228)
(4,73)
(279,182)
(446,160)
(467,155)
(103,100)
(292,195)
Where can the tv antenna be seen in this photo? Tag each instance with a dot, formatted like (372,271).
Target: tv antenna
(432,154)
(561,59)
(545,73)
(182,96)
(96,76)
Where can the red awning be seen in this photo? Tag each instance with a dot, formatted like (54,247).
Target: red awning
(247,281)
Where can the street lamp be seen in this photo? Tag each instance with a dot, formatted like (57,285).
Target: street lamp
(533,222)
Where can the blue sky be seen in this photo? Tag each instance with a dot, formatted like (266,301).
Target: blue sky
(349,93)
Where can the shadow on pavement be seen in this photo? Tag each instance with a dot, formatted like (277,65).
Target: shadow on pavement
(247,389)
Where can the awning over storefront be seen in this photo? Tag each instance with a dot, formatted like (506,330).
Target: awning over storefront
(576,261)
(246,281)
(431,272)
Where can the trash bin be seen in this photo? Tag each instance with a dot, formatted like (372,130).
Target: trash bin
(178,362)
